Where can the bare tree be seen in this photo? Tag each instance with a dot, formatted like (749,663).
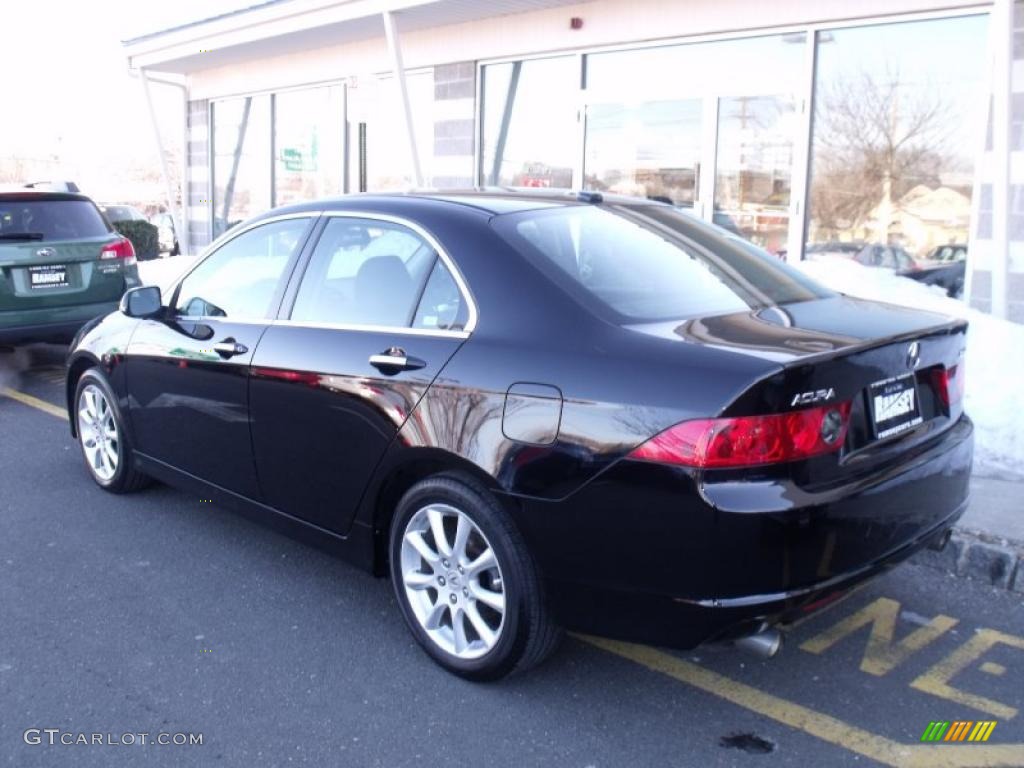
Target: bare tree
(13,169)
(876,137)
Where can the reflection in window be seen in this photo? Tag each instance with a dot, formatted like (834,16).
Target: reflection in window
(650,149)
(529,122)
(893,144)
(651,117)
(364,272)
(755,165)
(241,160)
(309,143)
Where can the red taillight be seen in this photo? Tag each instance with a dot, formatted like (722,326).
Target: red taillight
(122,249)
(750,440)
(950,384)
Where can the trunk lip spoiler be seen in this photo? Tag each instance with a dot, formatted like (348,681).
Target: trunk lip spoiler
(952,326)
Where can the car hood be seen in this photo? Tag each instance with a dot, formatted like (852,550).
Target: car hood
(786,333)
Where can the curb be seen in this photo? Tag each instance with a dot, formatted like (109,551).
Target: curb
(997,562)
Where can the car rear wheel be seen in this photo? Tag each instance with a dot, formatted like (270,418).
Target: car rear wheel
(102,437)
(468,589)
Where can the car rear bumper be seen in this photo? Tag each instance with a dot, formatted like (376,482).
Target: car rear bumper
(50,324)
(672,559)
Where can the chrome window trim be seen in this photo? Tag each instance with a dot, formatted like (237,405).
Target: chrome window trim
(219,243)
(392,329)
(453,270)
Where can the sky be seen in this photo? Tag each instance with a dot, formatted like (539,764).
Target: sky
(69,104)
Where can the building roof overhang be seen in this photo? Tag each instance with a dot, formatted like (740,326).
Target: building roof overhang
(281,27)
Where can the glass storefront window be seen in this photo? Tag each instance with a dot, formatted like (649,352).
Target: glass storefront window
(755,167)
(529,122)
(388,157)
(769,64)
(241,160)
(675,124)
(651,149)
(309,144)
(893,144)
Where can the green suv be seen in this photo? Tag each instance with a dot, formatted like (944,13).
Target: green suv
(61,264)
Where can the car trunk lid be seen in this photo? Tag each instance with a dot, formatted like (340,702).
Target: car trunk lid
(896,366)
(42,274)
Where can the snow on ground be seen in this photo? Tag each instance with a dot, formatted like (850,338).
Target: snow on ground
(995,356)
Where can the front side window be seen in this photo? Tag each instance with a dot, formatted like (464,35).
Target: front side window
(240,279)
(649,263)
(366,272)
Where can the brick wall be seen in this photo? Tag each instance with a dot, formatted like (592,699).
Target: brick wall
(199,191)
(454,134)
(982,246)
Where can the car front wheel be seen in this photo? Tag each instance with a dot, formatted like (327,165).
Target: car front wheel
(102,437)
(468,589)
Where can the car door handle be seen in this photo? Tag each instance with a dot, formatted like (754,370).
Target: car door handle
(394,360)
(229,348)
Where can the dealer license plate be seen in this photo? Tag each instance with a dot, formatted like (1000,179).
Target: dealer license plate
(49,276)
(894,405)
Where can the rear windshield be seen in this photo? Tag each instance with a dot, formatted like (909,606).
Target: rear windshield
(40,220)
(651,263)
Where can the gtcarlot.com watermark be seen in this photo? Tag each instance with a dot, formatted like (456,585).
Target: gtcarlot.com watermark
(56,737)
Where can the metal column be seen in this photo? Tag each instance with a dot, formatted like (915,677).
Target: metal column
(1002,56)
(394,46)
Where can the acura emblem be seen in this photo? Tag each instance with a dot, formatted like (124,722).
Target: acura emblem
(46,253)
(913,355)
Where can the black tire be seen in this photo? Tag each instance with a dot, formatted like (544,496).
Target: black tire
(528,635)
(126,478)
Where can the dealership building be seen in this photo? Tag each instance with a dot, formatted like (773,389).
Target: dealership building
(808,126)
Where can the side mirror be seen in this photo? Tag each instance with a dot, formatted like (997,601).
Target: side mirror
(144,301)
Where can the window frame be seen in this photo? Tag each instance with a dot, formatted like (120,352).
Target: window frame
(227,237)
(284,315)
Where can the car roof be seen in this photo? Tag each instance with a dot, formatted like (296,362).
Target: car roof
(491,200)
(28,195)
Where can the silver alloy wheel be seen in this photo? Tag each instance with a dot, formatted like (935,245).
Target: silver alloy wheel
(98,432)
(453,581)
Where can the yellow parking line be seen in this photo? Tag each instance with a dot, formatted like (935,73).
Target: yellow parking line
(802,718)
(35,402)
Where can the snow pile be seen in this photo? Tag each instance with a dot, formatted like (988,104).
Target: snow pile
(163,272)
(995,356)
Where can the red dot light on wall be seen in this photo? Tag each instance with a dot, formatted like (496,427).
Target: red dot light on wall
(575,23)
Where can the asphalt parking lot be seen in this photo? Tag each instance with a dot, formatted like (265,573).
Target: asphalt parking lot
(161,613)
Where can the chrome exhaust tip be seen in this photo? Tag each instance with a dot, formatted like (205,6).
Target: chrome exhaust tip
(940,543)
(765,643)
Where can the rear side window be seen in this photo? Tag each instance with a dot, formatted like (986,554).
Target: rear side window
(50,220)
(645,264)
(442,306)
(367,272)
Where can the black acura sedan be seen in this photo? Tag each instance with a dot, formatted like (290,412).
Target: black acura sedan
(538,411)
